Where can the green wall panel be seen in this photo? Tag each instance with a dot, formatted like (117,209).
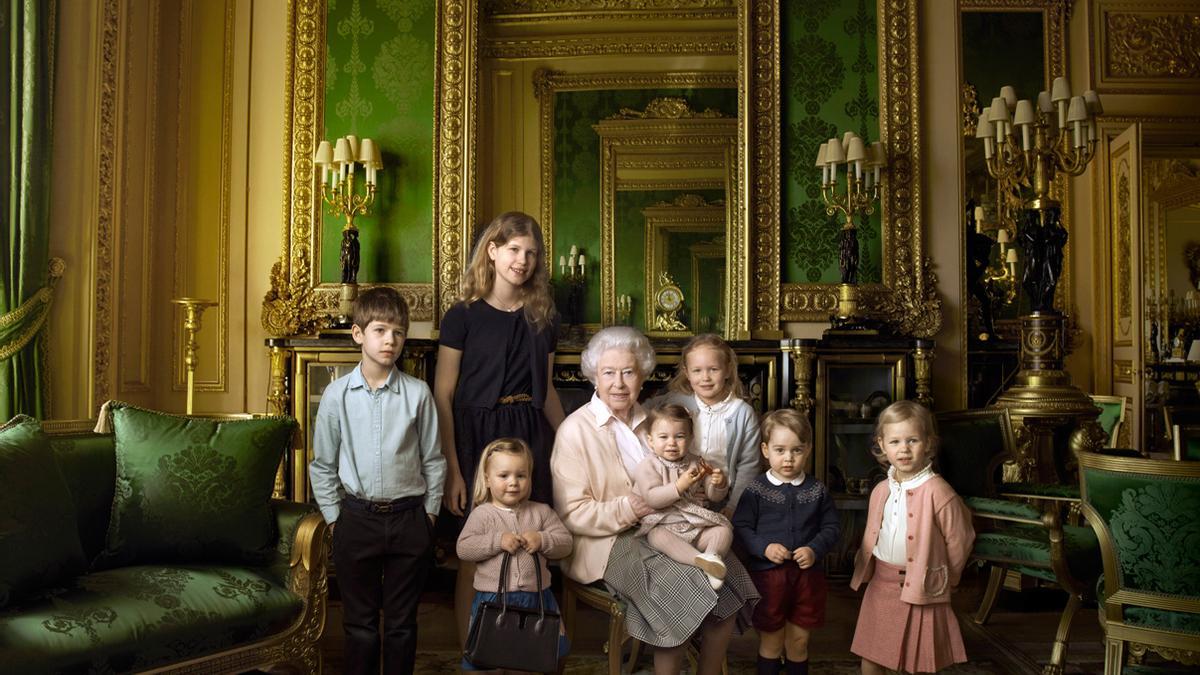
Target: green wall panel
(379,79)
(830,85)
(577,172)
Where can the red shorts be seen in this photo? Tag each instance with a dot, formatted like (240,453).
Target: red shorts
(791,595)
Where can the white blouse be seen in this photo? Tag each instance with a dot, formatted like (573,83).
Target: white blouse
(710,431)
(632,450)
(890,547)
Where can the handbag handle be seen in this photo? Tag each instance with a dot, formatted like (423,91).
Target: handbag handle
(502,590)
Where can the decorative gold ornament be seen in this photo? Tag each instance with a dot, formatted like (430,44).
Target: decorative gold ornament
(193,309)
(668,303)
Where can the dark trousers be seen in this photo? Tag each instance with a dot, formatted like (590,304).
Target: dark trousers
(382,560)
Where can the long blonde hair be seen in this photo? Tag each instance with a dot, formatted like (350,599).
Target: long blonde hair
(480,275)
(679,383)
(510,446)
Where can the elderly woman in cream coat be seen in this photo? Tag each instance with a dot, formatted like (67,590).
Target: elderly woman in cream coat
(596,450)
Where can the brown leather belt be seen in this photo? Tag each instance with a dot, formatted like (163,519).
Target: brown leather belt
(515,398)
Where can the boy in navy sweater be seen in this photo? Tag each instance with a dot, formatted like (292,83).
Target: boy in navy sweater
(787,523)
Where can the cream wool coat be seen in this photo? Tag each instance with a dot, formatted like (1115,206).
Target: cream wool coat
(591,491)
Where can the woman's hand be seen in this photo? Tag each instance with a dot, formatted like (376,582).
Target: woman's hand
(455,495)
(511,542)
(777,553)
(805,557)
(640,508)
(532,541)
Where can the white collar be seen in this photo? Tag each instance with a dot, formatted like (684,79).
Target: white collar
(604,415)
(779,481)
(712,409)
(915,481)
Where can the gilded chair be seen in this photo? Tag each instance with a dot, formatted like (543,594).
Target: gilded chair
(598,598)
(1146,514)
(1012,533)
(1112,416)
(1186,441)
(1179,415)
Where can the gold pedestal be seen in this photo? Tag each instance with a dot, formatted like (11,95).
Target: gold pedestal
(1051,417)
(346,303)
(847,301)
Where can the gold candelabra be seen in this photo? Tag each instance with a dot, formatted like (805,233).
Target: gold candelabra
(856,197)
(1000,277)
(1024,144)
(193,308)
(339,164)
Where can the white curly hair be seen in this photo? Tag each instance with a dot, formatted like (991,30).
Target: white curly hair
(617,337)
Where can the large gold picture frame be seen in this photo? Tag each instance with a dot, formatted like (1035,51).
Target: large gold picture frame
(298,303)
(906,299)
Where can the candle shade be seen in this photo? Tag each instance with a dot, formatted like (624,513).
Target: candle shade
(366,151)
(834,153)
(341,152)
(846,138)
(821,155)
(998,112)
(855,151)
(1093,102)
(353,141)
(1044,103)
(1002,236)
(878,158)
(1078,110)
(1011,256)
(1060,90)
(323,155)
(983,128)
(1009,95)
(1024,113)
(979,215)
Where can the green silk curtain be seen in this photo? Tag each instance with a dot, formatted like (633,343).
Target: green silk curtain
(27,32)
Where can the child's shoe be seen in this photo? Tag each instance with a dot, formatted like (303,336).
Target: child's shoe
(714,567)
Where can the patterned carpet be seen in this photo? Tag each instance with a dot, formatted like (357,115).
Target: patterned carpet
(439,663)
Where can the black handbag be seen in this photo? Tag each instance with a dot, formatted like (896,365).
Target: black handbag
(516,638)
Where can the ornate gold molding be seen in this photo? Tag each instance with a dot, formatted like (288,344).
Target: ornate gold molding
(686,213)
(907,298)
(105,243)
(298,303)
(663,138)
(712,43)
(1145,46)
(620,8)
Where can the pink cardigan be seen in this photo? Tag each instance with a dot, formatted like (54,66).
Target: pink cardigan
(591,492)
(939,541)
(480,543)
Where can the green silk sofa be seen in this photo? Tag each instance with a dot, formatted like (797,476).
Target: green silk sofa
(172,617)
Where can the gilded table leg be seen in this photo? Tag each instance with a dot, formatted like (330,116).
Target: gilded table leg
(1058,654)
(995,580)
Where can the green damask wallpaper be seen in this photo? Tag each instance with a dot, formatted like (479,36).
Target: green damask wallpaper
(577,173)
(630,239)
(379,77)
(830,85)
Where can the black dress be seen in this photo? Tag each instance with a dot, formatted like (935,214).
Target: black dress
(501,387)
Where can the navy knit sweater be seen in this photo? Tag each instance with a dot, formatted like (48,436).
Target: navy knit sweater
(791,515)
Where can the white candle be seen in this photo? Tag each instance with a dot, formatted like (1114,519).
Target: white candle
(582,267)
(1025,137)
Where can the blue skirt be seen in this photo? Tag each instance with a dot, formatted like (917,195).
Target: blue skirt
(520,599)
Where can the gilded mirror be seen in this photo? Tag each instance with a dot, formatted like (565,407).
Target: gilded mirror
(705,46)
(1172,250)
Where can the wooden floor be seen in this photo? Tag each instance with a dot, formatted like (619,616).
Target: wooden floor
(1017,639)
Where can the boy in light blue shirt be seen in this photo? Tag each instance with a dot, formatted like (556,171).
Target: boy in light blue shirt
(377,474)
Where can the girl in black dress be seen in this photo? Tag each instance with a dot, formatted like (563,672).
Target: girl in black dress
(495,359)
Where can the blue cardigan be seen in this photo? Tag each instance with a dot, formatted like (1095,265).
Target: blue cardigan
(791,515)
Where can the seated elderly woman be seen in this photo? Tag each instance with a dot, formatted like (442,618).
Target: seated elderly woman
(596,451)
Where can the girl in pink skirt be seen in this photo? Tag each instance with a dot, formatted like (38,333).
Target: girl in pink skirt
(915,546)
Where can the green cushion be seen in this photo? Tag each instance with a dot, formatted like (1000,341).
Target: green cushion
(88,463)
(1030,544)
(1002,507)
(1110,415)
(1063,491)
(1179,622)
(135,618)
(39,541)
(191,489)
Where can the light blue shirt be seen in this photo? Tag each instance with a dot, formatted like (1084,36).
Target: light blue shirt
(377,445)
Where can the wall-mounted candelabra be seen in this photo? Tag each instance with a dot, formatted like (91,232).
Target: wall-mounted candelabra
(1033,142)
(854,196)
(624,310)
(573,276)
(1000,277)
(339,164)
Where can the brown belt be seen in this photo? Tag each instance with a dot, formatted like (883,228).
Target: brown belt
(515,398)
